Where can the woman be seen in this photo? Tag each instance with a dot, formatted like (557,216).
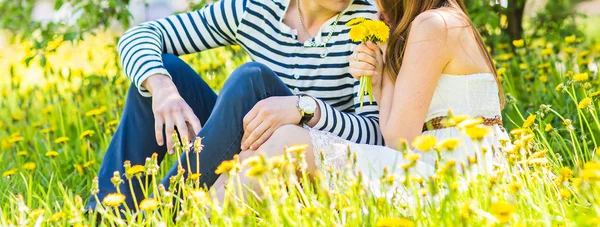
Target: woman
(434,61)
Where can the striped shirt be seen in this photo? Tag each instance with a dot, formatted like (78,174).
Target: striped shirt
(257,26)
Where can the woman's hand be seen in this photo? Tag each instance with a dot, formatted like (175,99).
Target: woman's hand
(367,60)
(170,110)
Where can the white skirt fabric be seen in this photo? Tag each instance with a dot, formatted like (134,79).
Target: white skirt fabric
(333,152)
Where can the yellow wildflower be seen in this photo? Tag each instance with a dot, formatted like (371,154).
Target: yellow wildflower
(502,211)
(297,149)
(57,216)
(424,142)
(581,77)
(569,50)
(394,222)
(570,39)
(195,176)
(564,193)
(548,127)
(200,196)
(113,199)
(236,47)
(560,87)
(15,139)
(380,31)
(505,57)
(518,43)
(594,94)
(96,112)
(134,170)
(585,103)
(449,144)
(544,79)
(61,139)
(226,166)
(34,214)
(477,133)
(9,172)
(547,51)
(113,122)
(529,121)
(584,53)
(51,154)
(86,133)
(22,153)
(29,166)
(523,66)
(411,156)
(358,33)
(78,168)
(256,171)
(501,71)
(149,204)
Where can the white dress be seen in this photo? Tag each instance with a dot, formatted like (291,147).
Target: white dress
(475,95)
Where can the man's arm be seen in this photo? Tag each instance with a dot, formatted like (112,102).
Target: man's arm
(140,48)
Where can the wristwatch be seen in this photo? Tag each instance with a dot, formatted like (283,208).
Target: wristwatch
(307,107)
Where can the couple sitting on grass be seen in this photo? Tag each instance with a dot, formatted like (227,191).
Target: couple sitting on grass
(302,87)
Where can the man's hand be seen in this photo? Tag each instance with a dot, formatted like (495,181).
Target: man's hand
(266,116)
(171,111)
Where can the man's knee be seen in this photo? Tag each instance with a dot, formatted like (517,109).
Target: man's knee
(253,71)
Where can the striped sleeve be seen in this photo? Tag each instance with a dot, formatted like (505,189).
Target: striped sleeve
(214,25)
(360,126)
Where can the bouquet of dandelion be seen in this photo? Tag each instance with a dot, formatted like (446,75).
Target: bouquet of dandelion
(363,30)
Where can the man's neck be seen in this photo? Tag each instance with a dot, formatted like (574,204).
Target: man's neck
(313,14)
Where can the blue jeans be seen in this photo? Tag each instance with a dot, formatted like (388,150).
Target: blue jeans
(221,118)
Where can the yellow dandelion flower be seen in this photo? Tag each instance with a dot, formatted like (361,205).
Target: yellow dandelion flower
(16,139)
(501,71)
(22,153)
(134,170)
(449,144)
(585,103)
(96,112)
(47,109)
(560,87)
(256,171)
(584,53)
(424,142)
(226,166)
(34,214)
(380,31)
(297,149)
(149,204)
(358,33)
(548,128)
(594,94)
(569,50)
(394,222)
(253,161)
(113,122)
(355,21)
(10,172)
(477,133)
(61,139)
(411,156)
(518,43)
(113,199)
(78,168)
(471,122)
(200,196)
(236,47)
(564,193)
(195,176)
(581,77)
(29,166)
(570,39)
(529,121)
(544,79)
(523,66)
(502,211)
(86,133)
(57,216)
(51,154)
(88,163)
(547,51)
(505,57)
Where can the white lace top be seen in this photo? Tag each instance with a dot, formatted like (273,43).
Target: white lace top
(475,95)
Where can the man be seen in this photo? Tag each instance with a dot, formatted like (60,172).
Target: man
(299,76)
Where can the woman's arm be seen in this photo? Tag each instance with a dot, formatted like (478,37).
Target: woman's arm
(404,107)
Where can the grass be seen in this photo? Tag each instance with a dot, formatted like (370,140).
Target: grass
(57,121)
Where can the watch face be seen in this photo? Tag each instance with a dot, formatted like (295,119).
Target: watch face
(307,104)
